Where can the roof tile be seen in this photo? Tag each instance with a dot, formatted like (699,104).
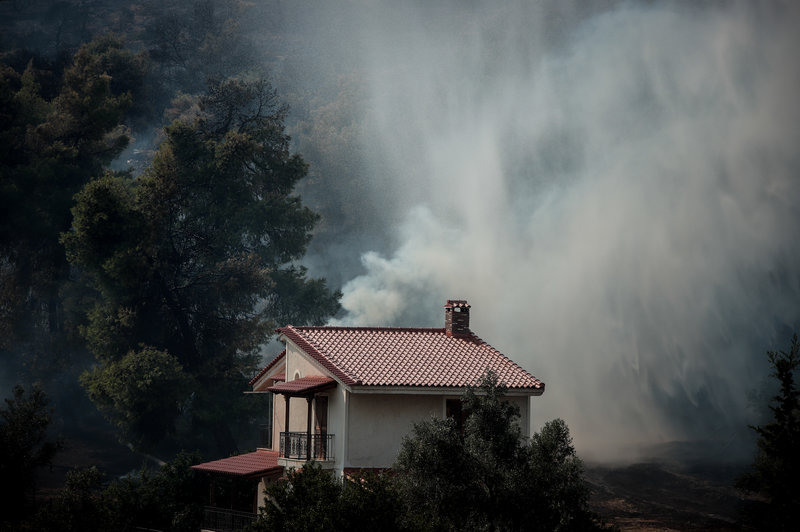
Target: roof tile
(252,464)
(389,356)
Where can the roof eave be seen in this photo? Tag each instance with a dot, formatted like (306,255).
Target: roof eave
(437,390)
(250,474)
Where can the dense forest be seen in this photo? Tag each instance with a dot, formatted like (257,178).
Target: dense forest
(177,178)
(171,271)
(151,228)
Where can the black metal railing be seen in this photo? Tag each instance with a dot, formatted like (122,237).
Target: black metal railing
(295,445)
(222,520)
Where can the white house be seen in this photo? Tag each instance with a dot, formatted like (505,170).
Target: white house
(346,396)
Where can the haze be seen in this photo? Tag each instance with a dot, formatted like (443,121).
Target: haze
(613,188)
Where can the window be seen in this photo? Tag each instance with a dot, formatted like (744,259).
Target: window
(454,408)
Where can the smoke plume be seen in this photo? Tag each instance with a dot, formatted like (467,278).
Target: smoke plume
(615,191)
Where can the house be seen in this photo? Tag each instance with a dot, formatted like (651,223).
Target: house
(346,396)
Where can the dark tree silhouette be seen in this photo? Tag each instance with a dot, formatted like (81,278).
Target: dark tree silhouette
(775,472)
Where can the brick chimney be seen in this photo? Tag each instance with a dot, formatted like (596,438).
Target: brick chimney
(456,317)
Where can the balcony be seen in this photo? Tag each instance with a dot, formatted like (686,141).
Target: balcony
(294,446)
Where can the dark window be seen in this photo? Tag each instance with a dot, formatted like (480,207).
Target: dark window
(455,409)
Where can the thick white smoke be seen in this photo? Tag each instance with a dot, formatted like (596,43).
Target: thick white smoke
(615,193)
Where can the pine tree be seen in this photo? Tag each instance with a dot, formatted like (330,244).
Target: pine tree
(775,472)
(194,265)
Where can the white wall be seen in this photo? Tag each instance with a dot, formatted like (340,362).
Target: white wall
(378,423)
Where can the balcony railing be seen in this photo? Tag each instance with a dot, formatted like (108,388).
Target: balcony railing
(321,446)
(222,520)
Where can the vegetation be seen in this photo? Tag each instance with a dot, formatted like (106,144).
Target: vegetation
(313,499)
(775,473)
(193,268)
(57,133)
(24,448)
(488,477)
(170,499)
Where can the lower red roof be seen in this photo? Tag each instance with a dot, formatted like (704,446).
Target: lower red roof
(256,464)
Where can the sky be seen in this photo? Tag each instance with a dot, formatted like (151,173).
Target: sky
(613,187)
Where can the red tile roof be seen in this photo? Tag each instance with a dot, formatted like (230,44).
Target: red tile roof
(254,464)
(387,356)
(268,367)
(303,386)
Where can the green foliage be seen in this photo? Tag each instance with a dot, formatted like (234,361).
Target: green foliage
(169,499)
(189,44)
(776,467)
(147,386)
(490,477)
(24,448)
(560,497)
(52,142)
(195,259)
(313,499)
(79,506)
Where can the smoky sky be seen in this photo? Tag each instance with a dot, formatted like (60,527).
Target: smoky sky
(613,188)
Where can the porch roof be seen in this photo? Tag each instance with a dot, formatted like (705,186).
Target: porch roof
(304,386)
(250,465)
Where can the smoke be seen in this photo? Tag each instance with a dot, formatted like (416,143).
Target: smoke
(614,191)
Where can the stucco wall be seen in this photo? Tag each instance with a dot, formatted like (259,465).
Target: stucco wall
(297,363)
(378,423)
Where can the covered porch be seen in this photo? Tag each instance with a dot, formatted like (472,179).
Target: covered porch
(237,488)
(313,443)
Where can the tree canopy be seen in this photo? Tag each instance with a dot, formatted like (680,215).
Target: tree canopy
(488,476)
(194,264)
(24,448)
(313,499)
(775,472)
(57,131)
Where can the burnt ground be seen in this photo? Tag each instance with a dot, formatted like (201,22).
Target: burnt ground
(667,496)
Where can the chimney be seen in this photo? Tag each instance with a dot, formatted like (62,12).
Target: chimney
(456,318)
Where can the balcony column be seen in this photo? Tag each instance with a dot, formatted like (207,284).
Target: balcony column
(286,429)
(310,398)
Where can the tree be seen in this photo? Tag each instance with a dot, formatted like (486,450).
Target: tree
(489,477)
(24,448)
(196,261)
(78,507)
(776,467)
(559,497)
(53,140)
(170,499)
(313,499)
